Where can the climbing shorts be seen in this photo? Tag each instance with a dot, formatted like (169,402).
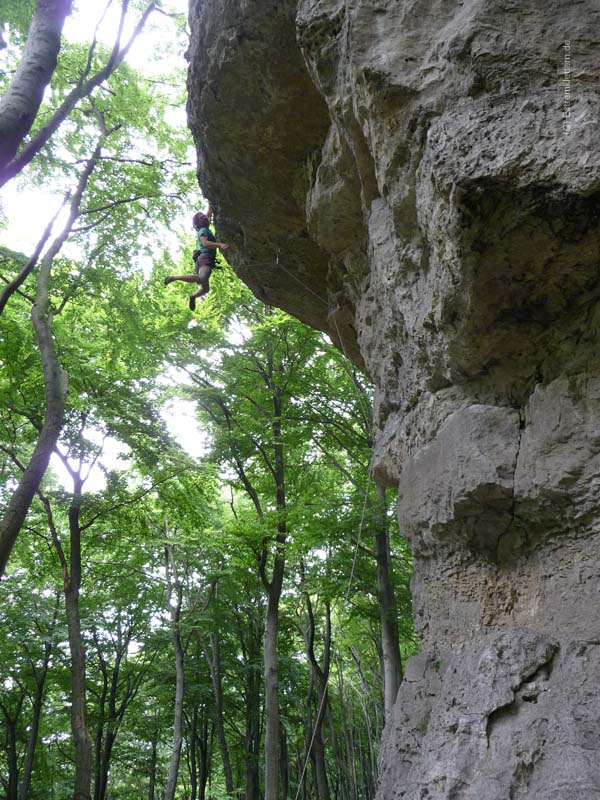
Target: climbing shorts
(204,266)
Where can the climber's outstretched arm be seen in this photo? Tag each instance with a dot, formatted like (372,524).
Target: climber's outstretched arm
(206,242)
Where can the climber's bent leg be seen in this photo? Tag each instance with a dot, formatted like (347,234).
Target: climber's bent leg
(204,270)
(185,278)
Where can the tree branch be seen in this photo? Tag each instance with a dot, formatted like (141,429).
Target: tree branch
(33,259)
(84,88)
(55,386)
(20,102)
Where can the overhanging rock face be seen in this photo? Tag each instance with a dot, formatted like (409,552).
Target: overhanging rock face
(422,180)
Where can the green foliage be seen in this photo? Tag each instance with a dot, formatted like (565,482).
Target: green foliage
(16,15)
(258,380)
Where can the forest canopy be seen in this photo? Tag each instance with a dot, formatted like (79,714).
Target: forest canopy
(203,593)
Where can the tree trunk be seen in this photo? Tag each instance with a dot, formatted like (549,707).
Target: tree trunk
(100,731)
(368,703)
(272,740)
(203,759)
(347,733)
(388,612)
(214,663)
(112,708)
(249,630)
(55,385)
(318,752)
(252,740)
(153,761)
(284,765)
(193,769)
(21,100)
(319,678)
(38,701)
(72,584)
(11,783)
(55,380)
(81,736)
(273,589)
(174,587)
(341,782)
(109,741)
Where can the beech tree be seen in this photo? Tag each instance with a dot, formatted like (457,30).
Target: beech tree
(55,383)
(22,98)
(20,104)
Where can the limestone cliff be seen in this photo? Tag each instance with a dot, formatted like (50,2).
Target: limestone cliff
(421,178)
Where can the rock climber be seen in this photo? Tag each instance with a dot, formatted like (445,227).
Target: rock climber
(204,256)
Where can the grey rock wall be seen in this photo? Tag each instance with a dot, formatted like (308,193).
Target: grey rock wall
(403,175)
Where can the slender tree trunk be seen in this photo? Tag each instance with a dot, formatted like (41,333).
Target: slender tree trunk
(198,751)
(388,612)
(21,100)
(203,758)
(12,760)
(72,585)
(272,735)
(341,788)
(55,380)
(367,702)
(55,385)
(153,761)
(193,769)
(250,636)
(273,589)
(364,768)
(111,707)
(347,733)
(81,736)
(371,763)
(109,741)
(214,663)
(321,781)
(38,702)
(301,774)
(319,679)
(100,732)
(174,588)
(13,765)
(252,739)
(284,765)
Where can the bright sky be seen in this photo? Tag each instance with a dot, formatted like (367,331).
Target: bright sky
(20,204)
(155,52)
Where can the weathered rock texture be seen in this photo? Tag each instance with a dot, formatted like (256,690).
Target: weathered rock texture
(402,175)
